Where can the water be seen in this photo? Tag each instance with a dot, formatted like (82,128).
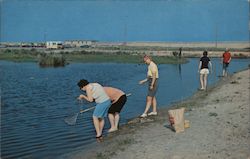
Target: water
(35,101)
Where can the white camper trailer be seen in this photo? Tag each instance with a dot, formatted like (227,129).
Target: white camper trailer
(54,45)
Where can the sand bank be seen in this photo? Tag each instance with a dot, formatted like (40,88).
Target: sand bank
(219,128)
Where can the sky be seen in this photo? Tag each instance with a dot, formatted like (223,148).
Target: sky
(124,20)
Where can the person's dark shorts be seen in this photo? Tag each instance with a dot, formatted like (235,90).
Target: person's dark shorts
(225,65)
(117,106)
(152,92)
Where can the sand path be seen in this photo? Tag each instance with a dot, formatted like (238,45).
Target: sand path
(219,128)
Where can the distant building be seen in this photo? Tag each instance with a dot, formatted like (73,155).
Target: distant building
(79,43)
(54,45)
(22,44)
(25,44)
(11,44)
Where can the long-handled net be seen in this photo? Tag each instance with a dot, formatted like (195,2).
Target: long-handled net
(71,120)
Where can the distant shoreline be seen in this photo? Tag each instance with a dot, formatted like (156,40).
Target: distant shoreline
(21,55)
(212,44)
(122,52)
(194,44)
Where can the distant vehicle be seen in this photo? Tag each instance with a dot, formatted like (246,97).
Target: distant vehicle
(67,46)
(54,45)
(85,46)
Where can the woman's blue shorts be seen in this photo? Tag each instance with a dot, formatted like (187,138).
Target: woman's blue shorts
(101,109)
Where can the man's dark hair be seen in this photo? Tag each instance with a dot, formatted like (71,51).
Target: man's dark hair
(205,53)
(82,83)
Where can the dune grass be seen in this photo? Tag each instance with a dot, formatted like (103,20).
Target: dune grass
(85,57)
(18,55)
(51,60)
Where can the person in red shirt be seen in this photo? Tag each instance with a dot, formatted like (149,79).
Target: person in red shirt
(226,58)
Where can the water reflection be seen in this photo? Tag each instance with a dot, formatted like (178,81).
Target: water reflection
(179,69)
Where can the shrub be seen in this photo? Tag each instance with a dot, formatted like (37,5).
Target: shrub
(51,60)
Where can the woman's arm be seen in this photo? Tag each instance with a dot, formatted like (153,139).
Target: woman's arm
(211,68)
(87,97)
(199,67)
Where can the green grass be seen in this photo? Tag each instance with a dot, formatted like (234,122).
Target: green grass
(84,57)
(18,56)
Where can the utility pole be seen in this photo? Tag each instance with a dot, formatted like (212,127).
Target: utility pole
(125,34)
(45,36)
(1,20)
(125,31)
(216,35)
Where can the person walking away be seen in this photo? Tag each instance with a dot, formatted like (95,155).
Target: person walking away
(95,92)
(118,99)
(152,79)
(203,69)
(180,50)
(226,58)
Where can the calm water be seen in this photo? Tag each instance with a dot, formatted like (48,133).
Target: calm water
(35,101)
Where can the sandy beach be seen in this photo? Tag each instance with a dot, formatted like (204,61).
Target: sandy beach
(219,128)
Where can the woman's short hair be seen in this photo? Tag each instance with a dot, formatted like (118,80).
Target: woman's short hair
(82,83)
(147,57)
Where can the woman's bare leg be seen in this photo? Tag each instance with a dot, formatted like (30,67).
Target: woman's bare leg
(154,105)
(97,126)
(205,81)
(148,104)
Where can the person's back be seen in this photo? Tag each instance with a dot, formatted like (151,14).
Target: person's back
(113,93)
(205,61)
(98,93)
(203,69)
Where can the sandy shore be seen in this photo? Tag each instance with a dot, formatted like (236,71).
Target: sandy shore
(219,129)
(238,49)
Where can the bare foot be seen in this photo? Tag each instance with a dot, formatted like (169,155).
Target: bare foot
(112,130)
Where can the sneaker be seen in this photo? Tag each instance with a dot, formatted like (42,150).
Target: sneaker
(152,113)
(143,115)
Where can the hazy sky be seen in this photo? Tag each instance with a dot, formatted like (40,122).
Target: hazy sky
(125,20)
